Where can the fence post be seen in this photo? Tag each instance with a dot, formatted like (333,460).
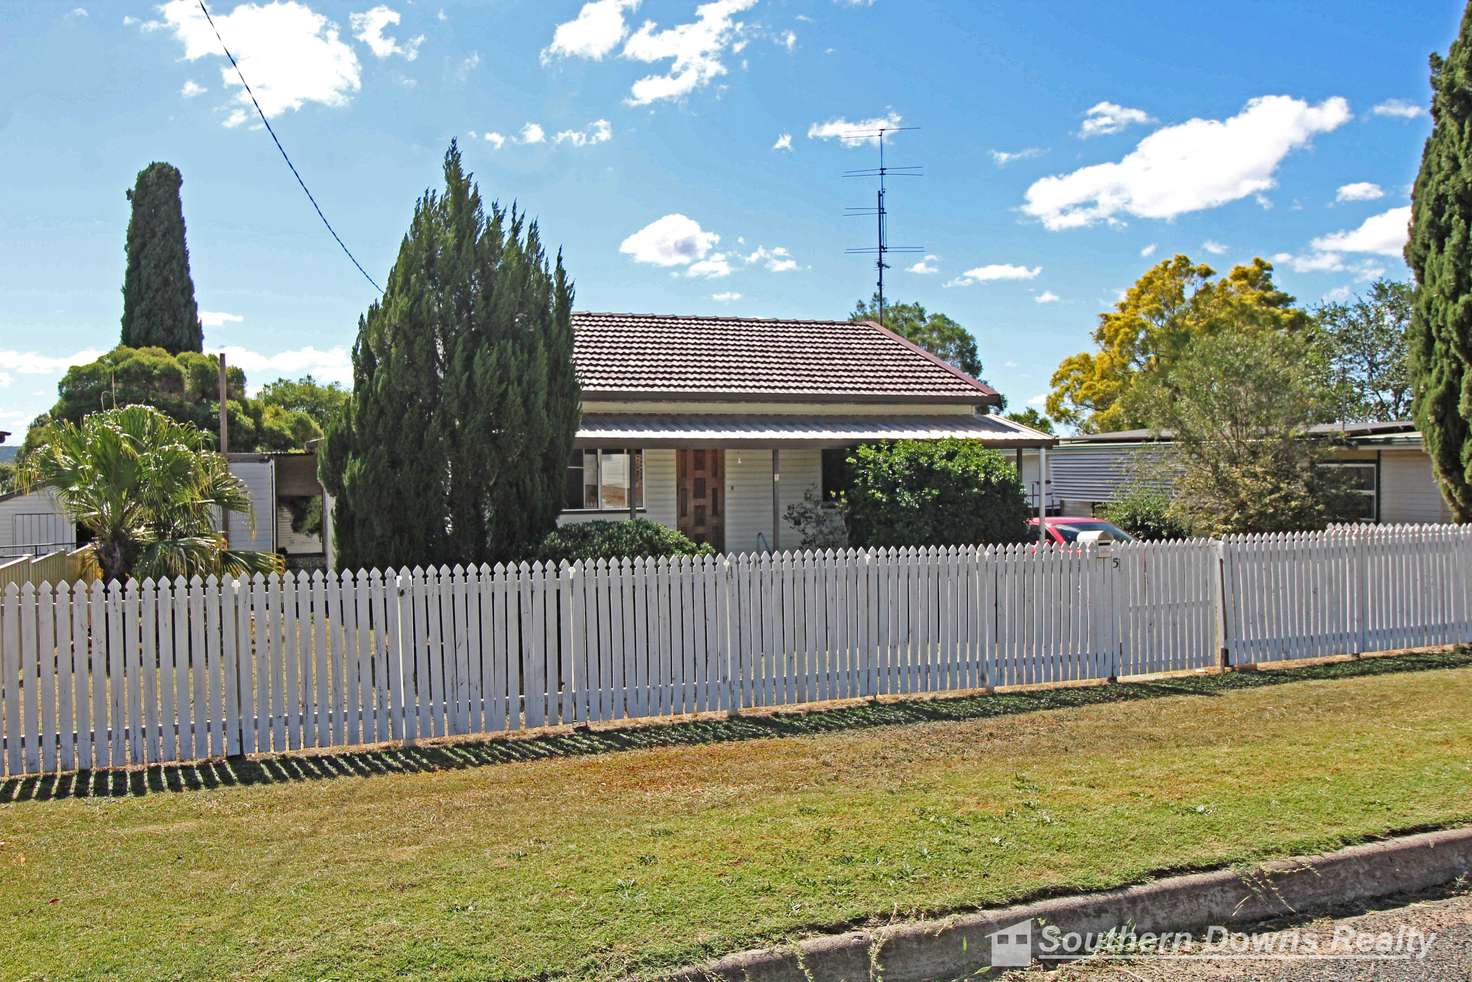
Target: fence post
(1362,588)
(1224,654)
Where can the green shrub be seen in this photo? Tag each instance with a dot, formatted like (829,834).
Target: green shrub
(934,492)
(615,540)
(1145,513)
(819,524)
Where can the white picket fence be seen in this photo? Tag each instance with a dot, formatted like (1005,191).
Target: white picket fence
(94,676)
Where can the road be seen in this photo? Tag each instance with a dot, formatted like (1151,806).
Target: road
(1447,957)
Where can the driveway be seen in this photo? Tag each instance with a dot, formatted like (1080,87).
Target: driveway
(1449,955)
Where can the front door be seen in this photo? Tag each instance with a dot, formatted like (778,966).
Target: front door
(700,480)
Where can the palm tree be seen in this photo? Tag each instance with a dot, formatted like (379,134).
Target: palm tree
(149,490)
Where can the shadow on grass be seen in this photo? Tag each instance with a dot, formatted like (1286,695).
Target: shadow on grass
(311,766)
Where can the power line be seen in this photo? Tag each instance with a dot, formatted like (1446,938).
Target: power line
(233,64)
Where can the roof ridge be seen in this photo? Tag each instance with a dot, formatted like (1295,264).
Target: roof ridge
(716,317)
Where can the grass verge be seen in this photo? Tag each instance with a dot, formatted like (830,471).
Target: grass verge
(707,837)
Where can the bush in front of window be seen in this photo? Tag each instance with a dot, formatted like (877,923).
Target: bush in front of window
(615,540)
(934,493)
(819,524)
(1145,513)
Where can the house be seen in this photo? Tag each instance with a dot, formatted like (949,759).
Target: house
(283,488)
(716,425)
(1392,472)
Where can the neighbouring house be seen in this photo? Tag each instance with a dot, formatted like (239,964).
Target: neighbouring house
(1391,472)
(715,425)
(285,495)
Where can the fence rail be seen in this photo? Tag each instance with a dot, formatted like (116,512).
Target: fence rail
(106,676)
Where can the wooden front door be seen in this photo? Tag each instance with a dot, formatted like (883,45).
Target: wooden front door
(700,482)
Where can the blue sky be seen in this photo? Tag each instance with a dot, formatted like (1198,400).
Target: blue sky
(684,157)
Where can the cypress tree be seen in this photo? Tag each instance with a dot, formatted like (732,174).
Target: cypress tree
(159,309)
(1440,254)
(455,443)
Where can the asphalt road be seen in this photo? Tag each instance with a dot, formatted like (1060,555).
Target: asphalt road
(1448,955)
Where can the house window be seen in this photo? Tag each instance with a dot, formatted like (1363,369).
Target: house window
(1361,484)
(601,480)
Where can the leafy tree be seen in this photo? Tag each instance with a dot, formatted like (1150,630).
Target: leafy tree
(936,333)
(1029,416)
(159,309)
(148,490)
(306,395)
(1146,513)
(455,443)
(1368,352)
(934,493)
(1173,304)
(1240,408)
(1439,252)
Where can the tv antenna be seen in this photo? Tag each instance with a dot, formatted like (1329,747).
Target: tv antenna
(881,248)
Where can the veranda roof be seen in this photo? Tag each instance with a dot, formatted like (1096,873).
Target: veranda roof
(729,430)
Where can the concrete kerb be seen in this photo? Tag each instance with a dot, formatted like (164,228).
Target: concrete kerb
(959,946)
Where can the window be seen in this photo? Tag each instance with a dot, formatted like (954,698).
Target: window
(600,480)
(1360,482)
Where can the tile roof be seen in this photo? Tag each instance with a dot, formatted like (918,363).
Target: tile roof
(644,355)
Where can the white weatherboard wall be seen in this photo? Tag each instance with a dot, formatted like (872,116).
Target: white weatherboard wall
(34,523)
(749,494)
(260,480)
(1408,492)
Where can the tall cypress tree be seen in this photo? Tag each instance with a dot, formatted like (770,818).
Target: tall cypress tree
(455,443)
(158,294)
(1440,254)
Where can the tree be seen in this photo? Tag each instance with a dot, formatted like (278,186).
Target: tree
(934,493)
(1440,254)
(1174,303)
(454,445)
(1244,458)
(1368,351)
(148,490)
(1029,416)
(306,395)
(936,333)
(159,309)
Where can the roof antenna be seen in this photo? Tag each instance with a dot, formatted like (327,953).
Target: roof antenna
(882,247)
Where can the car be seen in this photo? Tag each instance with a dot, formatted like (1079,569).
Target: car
(1067,528)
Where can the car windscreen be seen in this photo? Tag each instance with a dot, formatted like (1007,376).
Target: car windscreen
(1070,530)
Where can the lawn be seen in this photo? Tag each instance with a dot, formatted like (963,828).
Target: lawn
(698,840)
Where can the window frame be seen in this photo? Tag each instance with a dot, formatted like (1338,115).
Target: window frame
(1372,492)
(635,469)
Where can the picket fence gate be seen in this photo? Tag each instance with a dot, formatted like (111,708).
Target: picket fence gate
(95,676)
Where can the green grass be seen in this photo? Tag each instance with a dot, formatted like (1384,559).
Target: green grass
(558,858)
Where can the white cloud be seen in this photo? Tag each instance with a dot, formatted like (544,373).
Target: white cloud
(784,142)
(1047,296)
(332,365)
(855,133)
(1384,234)
(369,27)
(674,240)
(995,271)
(533,133)
(470,63)
(1148,251)
(1004,157)
(1214,247)
(788,40)
(191,89)
(726,296)
(776,259)
(78,12)
(1399,108)
(497,140)
(1104,118)
(925,266)
(129,20)
(291,54)
(34,363)
(713,267)
(1359,191)
(218,318)
(1338,294)
(593,33)
(598,131)
(1041,399)
(694,50)
(1198,164)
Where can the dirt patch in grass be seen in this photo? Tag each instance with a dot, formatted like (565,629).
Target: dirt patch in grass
(563,860)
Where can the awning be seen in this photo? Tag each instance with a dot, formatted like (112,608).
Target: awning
(652,430)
